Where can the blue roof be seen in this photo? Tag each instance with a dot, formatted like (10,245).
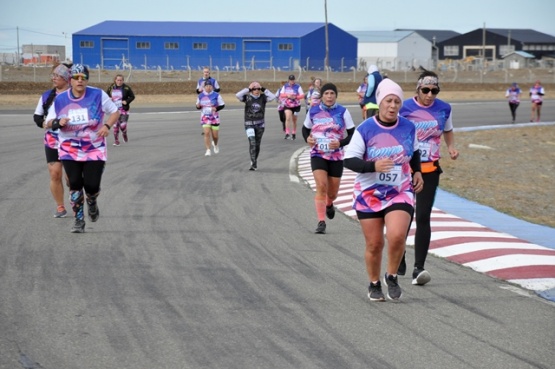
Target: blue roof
(200,29)
(380,36)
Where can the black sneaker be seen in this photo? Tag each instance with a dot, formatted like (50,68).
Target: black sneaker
(94,212)
(78,226)
(375,292)
(321,229)
(402,270)
(393,289)
(330,211)
(293,136)
(286,137)
(420,277)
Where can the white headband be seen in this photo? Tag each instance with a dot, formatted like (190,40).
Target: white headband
(428,80)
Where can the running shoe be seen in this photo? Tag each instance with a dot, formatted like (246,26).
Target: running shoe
(330,211)
(287,137)
(60,212)
(393,289)
(116,143)
(207,153)
(94,212)
(375,292)
(420,277)
(216,149)
(402,270)
(125,139)
(78,226)
(321,229)
(294,136)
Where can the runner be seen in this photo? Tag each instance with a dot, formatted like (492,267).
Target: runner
(324,130)
(122,95)
(291,95)
(210,103)
(536,96)
(313,93)
(60,79)
(432,119)
(383,150)
(513,95)
(255,98)
(78,113)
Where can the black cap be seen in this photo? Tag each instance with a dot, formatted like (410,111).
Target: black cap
(328,86)
(292,77)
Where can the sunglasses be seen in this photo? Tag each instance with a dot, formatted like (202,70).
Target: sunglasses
(256,89)
(78,77)
(426,90)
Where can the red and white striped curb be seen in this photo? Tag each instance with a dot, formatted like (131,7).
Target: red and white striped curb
(499,255)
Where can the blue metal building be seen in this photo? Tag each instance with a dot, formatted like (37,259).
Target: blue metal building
(223,45)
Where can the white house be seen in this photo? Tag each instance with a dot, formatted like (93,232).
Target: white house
(393,50)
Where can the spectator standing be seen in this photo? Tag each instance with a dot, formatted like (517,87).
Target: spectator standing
(513,95)
(60,79)
(383,151)
(255,98)
(361,91)
(536,97)
(79,114)
(432,119)
(210,103)
(122,95)
(374,79)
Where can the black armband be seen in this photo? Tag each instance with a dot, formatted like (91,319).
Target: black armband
(107,126)
(263,89)
(306,133)
(359,166)
(56,124)
(39,120)
(220,107)
(346,140)
(415,162)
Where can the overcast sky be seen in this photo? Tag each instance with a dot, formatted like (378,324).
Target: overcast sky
(53,22)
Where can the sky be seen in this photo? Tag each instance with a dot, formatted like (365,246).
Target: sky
(45,22)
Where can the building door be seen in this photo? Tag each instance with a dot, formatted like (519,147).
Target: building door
(115,53)
(257,54)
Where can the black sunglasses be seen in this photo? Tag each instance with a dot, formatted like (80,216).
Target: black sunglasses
(256,89)
(426,90)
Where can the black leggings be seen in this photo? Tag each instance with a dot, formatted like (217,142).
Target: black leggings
(513,107)
(423,212)
(84,174)
(255,141)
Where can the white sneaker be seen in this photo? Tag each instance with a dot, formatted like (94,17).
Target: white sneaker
(216,149)
(208,153)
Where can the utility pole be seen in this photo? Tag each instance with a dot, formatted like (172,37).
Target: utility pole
(327,60)
(17,54)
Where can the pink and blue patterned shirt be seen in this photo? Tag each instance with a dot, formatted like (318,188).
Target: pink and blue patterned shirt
(372,141)
(79,139)
(430,122)
(326,124)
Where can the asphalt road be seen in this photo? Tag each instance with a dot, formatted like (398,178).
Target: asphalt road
(197,262)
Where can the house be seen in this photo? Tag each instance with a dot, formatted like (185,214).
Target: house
(494,43)
(393,50)
(518,60)
(224,45)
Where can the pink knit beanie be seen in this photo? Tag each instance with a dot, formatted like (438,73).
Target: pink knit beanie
(388,87)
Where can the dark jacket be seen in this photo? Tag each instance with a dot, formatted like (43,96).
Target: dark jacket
(127,94)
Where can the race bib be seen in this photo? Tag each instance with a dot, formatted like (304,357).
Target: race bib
(391,178)
(250,132)
(425,149)
(78,116)
(323,144)
(207,110)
